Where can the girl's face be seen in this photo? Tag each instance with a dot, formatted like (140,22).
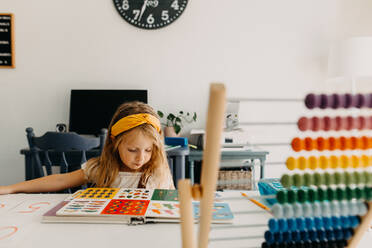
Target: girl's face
(135,150)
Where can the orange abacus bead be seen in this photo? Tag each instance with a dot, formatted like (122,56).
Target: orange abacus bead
(355,161)
(345,161)
(333,143)
(365,160)
(353,143)
(291,163)
(302,163)
(370,142)
(343,143)
(309,144)
(322,144)
(334,162)
(363,142)
(297,144)
(323,162)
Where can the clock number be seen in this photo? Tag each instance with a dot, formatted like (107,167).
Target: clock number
(175,5)
(150,19)
(125,5)
(136,13)
(164,15)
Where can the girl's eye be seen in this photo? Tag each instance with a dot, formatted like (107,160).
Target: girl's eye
(132,150)
(149,150)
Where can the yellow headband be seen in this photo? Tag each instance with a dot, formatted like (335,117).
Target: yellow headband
(131,121)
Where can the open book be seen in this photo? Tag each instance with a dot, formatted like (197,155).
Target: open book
(128,206)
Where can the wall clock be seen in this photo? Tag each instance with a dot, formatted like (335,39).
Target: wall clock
(150,14)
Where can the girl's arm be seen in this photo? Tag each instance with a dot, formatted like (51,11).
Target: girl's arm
(54,182)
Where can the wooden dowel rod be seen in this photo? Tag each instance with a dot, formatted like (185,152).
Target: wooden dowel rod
(361,229)
(211,159)
(187,219)
(237,99)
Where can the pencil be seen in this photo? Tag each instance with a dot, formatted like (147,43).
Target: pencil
(256,202)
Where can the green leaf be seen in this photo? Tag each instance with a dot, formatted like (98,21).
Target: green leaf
(178,119)
(171,117)
(181,112)
(160,114)
(177,128)
(194,117)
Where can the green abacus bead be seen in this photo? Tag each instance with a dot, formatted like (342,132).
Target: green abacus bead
(302,196)
(322,194)
(368,192)
(368,177)
(348,178)
(350,194)
(331,194)
(292,196)
(286,181)
(282,196)
(328,179)
(318,179)
(340,194)
(359,193)
(297,180)
(312,195)
(339,178)
(308,179)
(357,177)
(363,177)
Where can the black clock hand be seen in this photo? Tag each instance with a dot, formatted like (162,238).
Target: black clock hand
(143,9)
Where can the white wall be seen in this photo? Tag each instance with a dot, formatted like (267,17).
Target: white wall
(258,48)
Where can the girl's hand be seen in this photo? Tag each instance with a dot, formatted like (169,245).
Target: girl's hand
(5,190)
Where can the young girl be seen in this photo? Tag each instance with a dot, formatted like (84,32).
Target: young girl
(133,157)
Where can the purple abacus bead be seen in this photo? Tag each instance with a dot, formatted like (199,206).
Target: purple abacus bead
(360,100)
(312,101)
(350,101)
(337,101)
(325,101)
(369,100)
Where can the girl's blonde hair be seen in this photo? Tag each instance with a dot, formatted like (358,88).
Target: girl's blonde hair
(105,169)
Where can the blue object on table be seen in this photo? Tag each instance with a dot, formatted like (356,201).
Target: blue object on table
(176,141)
(270,186)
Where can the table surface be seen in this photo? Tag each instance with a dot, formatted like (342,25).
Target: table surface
(20,226)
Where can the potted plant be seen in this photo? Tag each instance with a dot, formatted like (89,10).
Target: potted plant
(174,122)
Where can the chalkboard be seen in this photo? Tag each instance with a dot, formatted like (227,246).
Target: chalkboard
(6,41)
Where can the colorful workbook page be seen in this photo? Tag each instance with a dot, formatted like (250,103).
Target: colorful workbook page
(134,194)
(165,195)
(98,193)
(220,212)
(163,209)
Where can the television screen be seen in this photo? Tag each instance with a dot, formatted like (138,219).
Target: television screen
(92,110)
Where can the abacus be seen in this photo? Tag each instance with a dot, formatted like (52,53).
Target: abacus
(331,209)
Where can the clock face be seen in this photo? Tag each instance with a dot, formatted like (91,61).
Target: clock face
(150,14)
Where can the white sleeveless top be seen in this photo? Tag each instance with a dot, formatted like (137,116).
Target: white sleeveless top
(131,180)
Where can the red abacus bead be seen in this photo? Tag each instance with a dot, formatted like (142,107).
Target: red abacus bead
(303,124)
(369,122)
(332,143)
(328,123)
(316,124)
(349,123)
(361,122)
(297,144)
(338,123)
(309,144)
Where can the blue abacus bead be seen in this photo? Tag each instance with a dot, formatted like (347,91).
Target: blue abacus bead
(296,236)
(362,208)
(277,210)
(330,234)
(313,235)
(348,232)
(353,208)
(354,221)
(321,234)
(297,210)
(318,222)
(335,207)
(345,221)
(338,233)
(287,210)
(273,225)
(304,236)
(287,237)
(283,226)
(278,237)
(327,221)
(292,225)
(344,207)
(309,223)
(336,222)
(317,210)
(326,209)
(301,225)
(307,209)
(269,237)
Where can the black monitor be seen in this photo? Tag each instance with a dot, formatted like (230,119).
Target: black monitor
(92,110)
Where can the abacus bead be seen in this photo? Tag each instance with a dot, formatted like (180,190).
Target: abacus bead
(273,225)
(321,235)
(368,193)
(302,195)
(326,208)
(321,144)
(336,222)
(330,235)
(309,144)
(323,162)
(349,193)
(287,210)
(300,223)
(322,194)
(318,179)
(344,161)
(304,124)
(283,226)
(302,163)
(308,179)
(355,161)
(363,177)
(338,233)
(348,178)
(286,238)
(345,221)
(313,235)
(339,178)
(362,208)
(304,236)
(318,221)
(286,181)
(312,101)
(328,123)
(344,207)
(334,162)
(347,233)
(291,163)
(317,209)
(307,209)
(297,180)
(309,223)
(359,193)
(327,221)
(277,210)
(333,143)
(282,196)
(265,245)
(297,210)
(312,195)
(296,237)
(297,144)
(328,179)
(364,160)
(354,221)
(337,101)
(292,225)
(325,101)
(269,237)
(356,177)
(341,194)
(335,207)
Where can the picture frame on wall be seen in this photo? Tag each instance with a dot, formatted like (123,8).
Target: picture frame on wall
(7,55)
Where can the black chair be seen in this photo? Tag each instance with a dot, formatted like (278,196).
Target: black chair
(67,150)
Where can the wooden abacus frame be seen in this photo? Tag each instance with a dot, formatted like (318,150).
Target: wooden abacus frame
(205,191)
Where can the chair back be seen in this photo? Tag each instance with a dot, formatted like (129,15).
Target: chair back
(67,150)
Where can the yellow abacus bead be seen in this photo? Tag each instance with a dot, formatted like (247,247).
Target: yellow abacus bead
(302,163)
(291,163)
(313,162)
(355,161)
(334,162)
(345,161)
(364,159)
(323,162)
